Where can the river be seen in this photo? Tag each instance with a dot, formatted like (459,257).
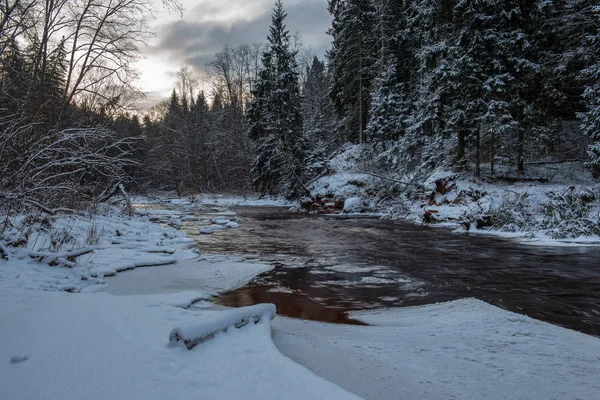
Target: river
(325,266)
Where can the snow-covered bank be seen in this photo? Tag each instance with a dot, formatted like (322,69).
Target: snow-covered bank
(115,344)
(552,204)
(117,242)
(464,349)
(98,346)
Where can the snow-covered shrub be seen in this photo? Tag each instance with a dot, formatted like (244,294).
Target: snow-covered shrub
(512,214)
(571,213)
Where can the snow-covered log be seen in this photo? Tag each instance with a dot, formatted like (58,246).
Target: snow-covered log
(193,335)
(64,258)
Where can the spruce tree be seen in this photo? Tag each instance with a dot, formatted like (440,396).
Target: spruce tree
(387,108)
(317,115)
(351,64)
(274,115)
(591,118)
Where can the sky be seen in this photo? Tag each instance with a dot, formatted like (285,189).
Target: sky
(206,26)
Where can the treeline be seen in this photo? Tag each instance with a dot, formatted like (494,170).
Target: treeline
(467,83)
(266,125)
(484,86)
(66,73)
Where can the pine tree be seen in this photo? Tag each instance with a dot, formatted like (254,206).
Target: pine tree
(14,81)
(351,64)
(390,96)
(275,121)
(435,43)
(317,115)
(387,108)
(172,144)
(591,118)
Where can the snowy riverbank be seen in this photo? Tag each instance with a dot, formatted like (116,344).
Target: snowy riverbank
(553,204)
(97,345)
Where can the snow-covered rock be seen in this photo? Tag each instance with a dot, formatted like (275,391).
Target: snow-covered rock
(355,205)
(220,220)
(210,229)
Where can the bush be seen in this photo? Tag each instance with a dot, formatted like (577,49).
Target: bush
(511,215)
(571,213)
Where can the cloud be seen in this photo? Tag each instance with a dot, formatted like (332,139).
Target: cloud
(207,27)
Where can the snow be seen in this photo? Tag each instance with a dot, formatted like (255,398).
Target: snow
(210,229)
(219,223)
(209,275)
(516,210)
(220,220)
(120,243)
(193,335)
(98,346)
(463,349)
(355,205)
(110,339)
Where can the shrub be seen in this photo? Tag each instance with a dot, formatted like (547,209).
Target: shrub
(571,213)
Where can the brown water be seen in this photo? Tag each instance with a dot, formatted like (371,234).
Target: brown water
(325,266)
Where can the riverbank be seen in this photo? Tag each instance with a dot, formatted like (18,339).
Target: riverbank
(99,345)
(551,204)
(62,338)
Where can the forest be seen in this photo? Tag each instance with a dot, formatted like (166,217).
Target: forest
(484,87)
(410,211)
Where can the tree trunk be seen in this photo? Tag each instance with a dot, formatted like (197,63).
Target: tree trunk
(521,151)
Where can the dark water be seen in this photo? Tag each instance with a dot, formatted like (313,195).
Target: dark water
(325,266)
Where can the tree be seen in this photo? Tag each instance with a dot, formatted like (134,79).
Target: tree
(591,118)
(351,60)
(387,108)
(317,115)
(274,115)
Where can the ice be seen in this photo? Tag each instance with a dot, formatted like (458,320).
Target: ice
(220,220)
(210,229)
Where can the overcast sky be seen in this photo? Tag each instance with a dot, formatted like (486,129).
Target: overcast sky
(208,25)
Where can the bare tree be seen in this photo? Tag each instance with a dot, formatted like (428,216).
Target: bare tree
(78,57)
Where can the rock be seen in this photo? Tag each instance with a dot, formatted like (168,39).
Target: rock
(175,223)
(221,220)
(429,216)
(207,230)
(355,205)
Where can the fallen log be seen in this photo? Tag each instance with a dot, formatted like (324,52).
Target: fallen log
(383,177)
(518,179)
(191,336)
(66,258)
